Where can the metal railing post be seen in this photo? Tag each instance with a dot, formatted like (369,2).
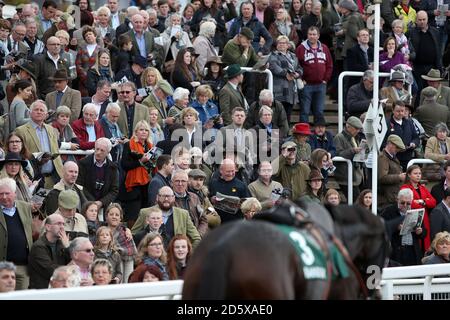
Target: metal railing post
(420,161)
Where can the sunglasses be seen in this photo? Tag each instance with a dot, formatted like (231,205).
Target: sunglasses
(125,92)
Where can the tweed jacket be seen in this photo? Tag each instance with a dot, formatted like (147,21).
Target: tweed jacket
(389,180)
(229,98)
(70,98)
(30,139)
(140,113)
(443,96)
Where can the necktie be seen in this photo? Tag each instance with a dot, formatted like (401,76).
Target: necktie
(163,110)
(238,135)
(360,6)
(59,95)
(354,144)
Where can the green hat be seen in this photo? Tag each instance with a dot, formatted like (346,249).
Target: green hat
(68,199)
(397,141)
(247,32)
(354,122)
(429,92)
(233,71)
(196,173)
(165,87)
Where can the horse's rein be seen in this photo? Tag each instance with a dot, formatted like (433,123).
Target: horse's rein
(352,266)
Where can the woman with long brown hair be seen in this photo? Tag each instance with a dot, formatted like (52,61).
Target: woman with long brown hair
(178,254)
(184,74)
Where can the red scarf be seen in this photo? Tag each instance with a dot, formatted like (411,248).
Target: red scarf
(137,176)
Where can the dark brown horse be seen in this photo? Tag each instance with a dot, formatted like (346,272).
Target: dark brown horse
(255,260)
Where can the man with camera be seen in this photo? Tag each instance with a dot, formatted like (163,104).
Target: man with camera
(264,186)
(292,172)
(99,176)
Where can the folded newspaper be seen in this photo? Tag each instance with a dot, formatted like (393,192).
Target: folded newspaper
(226,203)
(413,219)
(364,153)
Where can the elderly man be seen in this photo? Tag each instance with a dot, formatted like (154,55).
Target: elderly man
(360,95)
(101,97)
(292,173)
(75,224)
(131,112)
(395,91)
(239,50)
(162,177)
(322,138)
(48,252)
(263,188)
(64,95)
(82,254)
(158,99)
(279,114)
(36,45)
(189,201)
(347,147)
(15,41)
(40,137)
(433,79)
(143,41)
(16,231)
(229,185)
(175,220)
(112,131)
(7,276)
(231,96)
(99,176)
(88,129)
(46,66)
(390,173)
(69,177)
(430,113)
(65,277)
(405,248)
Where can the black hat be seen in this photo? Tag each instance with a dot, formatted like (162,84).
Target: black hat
(60,74)
(26,66)
(320,122)
(13,157)
(140,60)
(192,51)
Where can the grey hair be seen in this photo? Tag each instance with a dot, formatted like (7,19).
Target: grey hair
(74,279)
(207,29)
(407,193)
(89,106)
(39,101)
(179,172)
(265,95)
(9,183)
(112,106)
(131,11)
(105,9)
(440,126)
(77,243)
(368,74)
(264,108)
(152,11)
(168,22)
(397,22)
(6,265)
(63,110)
(106,141)
(179,93)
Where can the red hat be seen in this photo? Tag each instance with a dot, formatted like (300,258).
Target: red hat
(302,128)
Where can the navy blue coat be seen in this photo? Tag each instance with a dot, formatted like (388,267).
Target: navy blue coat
(325,143)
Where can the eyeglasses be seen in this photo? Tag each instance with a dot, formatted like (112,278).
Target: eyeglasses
(165,196)
(15,141)
(87,250)
(159,244)
(53,44)
(125,92)
(20,34)
(179,181)
(405,202)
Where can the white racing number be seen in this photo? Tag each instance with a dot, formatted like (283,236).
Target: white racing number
(307,255)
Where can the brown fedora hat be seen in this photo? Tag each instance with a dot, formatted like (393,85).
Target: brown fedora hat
(60,74)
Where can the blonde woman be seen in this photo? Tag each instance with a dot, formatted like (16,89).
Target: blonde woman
(282,26)
(135,163)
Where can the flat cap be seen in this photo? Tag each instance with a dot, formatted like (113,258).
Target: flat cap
(196,173)
(429,92)
(397,141)
(165,87)
(288,144)
(68,199)
(354,122)
(247,32)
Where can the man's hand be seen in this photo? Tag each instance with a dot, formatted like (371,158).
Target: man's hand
(74,146)
(402,176)
(418,231)
(64,238)
(289,77)
(436,12)
(169,120)
(99,204)
(357,149)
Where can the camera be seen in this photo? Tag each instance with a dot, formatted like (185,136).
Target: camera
(99,185)
(153,155)
(291,149)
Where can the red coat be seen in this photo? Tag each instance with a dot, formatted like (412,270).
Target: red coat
(79,128)
(430,203)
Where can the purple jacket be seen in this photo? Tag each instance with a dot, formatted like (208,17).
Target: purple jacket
(388,64)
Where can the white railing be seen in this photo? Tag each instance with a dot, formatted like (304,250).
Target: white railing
(77,152)
(349,177)
(420,161)
(341,93)
(161,290)
(417,281)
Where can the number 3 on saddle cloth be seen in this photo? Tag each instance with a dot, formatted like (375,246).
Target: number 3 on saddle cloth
(317,263)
